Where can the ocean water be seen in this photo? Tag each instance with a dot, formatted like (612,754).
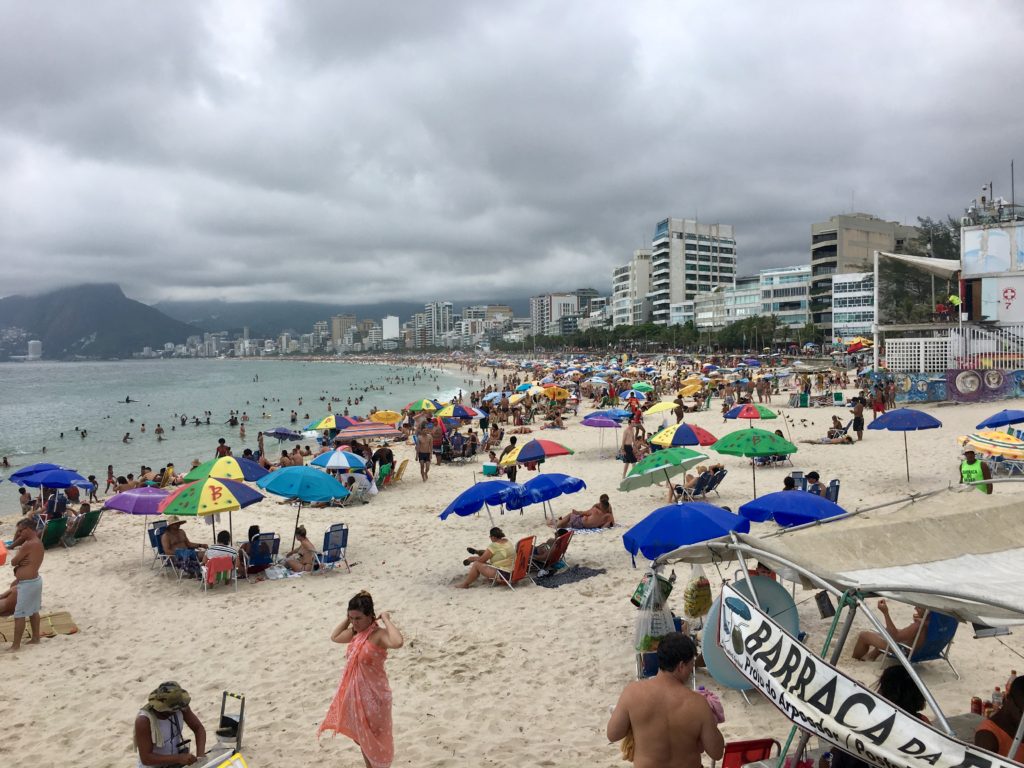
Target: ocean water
(41,400)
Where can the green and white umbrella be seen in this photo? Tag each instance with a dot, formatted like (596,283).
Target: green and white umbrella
(660,465)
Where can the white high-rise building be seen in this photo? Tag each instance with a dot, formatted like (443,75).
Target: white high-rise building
(785,294)
(631,284)
(439,321)
(549,308)
(35,350)
(688,258)
(390,328)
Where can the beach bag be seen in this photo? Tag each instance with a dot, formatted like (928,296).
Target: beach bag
(697,595)
(654,619)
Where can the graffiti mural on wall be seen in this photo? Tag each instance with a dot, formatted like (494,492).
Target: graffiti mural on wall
(962,385)
(920,387)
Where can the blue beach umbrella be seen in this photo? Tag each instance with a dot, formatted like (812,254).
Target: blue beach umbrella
(473,499)
(789,508)
(33,469)
(339,460)
(543,488)
(282,433)
(306,484)
(54,478)
(905,420)
(1002,419)
(678,525)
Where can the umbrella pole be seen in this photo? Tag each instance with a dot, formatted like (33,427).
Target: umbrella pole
(231,526)
(297,513)
(144,526)
(753,471)
(906,455)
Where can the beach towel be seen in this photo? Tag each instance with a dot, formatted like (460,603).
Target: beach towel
(568,576)
(594,530)
(50,625)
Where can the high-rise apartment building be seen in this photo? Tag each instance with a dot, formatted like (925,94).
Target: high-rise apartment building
(439,321)
(844,244)
(549,308)
(631,284)
(785,294)
(688,258)
(339,325)
(390,327)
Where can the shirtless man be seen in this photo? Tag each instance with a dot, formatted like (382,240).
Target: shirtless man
(871,645)
(26,564)
(173,538)
(598,516)
(424,445)
(858,417)
(671,725)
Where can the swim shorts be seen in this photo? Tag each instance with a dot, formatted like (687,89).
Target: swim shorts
(30,597)
(575,520)
(421,457)
(858,423)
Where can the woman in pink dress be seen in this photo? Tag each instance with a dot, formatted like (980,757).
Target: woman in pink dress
(361,708)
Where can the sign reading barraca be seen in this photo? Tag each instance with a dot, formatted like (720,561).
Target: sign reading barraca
(821,699)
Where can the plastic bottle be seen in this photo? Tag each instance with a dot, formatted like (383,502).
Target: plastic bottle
(1009,680)
(997,698)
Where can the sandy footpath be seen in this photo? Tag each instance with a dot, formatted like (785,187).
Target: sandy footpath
(487,677)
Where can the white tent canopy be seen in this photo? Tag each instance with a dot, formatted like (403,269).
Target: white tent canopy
(937,267)
(959,552)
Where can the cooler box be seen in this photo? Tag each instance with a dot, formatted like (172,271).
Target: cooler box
(490,470)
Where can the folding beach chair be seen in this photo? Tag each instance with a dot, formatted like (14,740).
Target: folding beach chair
(550,563)
(832,492)
(53,532)
(716,480)
(799,479)
(938,637)
(263,550)
(231,725)
(87,524)
(520,566)
(335,545)
(699,488)
(155,530)
(384,475)
(739,753)
(400,473)
(220,569)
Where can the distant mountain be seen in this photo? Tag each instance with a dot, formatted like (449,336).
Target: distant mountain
(96,321)
(269,318)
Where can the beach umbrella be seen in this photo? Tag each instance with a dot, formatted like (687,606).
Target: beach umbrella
(304,484)
(690,389)
(626,394)
(667,405)
(209,496)
(789,508)
(282,433)
(535,451)
(460,412)
(683,434)
(227,467)
(53,478)
(386,417)
(994,443)
(600,422)
(643,386)
(525,386)
(421,405)
(138,501)
(597,380)
(750,411)
(754,443)
(556,393)
(34,469)
(492,396)
(677,525)
(339,459)
(614,414)
(331,421)
(488,493)
(1002,419)
(660,465)
(368,430)
(905,420)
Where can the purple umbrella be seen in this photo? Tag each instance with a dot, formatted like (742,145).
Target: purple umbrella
(138,501)
(600,422)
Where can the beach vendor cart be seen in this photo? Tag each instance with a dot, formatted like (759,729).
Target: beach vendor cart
(955,555)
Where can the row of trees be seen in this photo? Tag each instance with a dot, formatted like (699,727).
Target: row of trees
(752,333)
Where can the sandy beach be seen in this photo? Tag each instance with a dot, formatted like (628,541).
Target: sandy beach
(488,676)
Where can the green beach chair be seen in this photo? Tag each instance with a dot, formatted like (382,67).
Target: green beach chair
(53,532)
(87,524)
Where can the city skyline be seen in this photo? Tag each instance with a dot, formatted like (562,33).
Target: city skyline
(249,151)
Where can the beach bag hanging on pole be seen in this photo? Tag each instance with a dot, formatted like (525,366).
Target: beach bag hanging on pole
(697,595)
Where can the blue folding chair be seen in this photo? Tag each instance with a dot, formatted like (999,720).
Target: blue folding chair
(700,488)
(155,530)
(938,637)
(335,544)
(832,492)
(716,480)
(263,551)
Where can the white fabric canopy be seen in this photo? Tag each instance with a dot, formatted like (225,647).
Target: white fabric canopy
(958,552)
(939,267)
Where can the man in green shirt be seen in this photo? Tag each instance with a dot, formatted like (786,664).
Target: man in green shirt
(973,471)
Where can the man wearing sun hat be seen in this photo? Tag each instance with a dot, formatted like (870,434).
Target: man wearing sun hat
(160,725)
(174,539)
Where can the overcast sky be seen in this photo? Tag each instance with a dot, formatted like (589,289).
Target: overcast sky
(420,150)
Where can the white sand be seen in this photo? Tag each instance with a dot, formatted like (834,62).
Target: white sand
(487,676)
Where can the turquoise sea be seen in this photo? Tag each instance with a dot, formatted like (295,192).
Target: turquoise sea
(41,400)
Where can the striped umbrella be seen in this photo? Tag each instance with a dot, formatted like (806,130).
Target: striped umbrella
(339,460)
(368,430)
(454,411)
(421,405)
(227,467)
(683,434)
(535,450)
(332,421)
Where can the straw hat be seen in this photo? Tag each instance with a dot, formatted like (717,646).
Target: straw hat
(175,520)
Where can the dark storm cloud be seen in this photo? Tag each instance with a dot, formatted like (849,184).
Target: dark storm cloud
(452,150)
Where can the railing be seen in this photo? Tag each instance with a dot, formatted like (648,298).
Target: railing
(996,347)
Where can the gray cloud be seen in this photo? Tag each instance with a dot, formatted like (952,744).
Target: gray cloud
(353,151)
